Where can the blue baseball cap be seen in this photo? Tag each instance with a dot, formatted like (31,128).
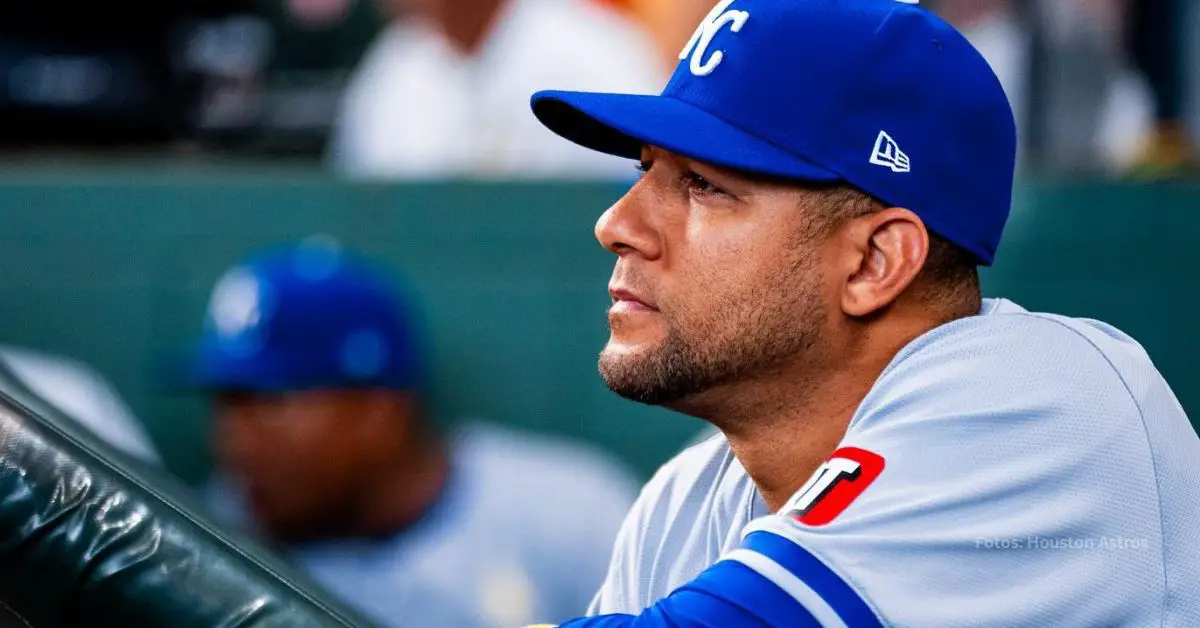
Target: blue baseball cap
(880,94)
(302,317)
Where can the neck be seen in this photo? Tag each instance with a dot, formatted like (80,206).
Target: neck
(784,443)
(783,427)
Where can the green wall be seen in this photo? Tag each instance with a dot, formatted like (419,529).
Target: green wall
(114,266)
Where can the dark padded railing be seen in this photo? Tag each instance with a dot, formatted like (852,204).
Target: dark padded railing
(89,539)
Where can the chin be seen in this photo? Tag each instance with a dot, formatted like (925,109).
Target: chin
(618,357)
(625,358)
(630,373)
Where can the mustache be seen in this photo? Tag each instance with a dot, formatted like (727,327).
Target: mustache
(633,283)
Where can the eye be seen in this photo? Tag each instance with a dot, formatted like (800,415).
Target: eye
(697,185)
(644,166)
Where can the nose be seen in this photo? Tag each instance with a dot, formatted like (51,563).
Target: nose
(626,227)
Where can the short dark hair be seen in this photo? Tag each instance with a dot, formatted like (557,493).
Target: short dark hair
(950,272)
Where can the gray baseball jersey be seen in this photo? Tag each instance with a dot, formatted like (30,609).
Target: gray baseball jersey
(1008,469)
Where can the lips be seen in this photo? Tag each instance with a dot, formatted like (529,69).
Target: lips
(627,300)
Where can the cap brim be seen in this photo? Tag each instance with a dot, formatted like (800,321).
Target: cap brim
(198,371)
(621,124)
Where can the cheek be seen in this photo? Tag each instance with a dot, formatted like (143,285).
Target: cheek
(298,470)
(344,448)
(718,270)
(303,435)
(325,458)
(733,281)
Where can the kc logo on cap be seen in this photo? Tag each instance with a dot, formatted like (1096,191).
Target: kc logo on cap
(239,308)
(697,46)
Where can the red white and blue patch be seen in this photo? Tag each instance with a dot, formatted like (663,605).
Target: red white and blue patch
(834,486)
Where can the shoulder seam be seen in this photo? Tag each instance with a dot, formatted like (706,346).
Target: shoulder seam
(1153,460)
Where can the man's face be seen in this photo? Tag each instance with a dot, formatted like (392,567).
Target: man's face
(301,457)
(718,280)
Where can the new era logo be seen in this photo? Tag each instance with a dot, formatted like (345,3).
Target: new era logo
(887,153)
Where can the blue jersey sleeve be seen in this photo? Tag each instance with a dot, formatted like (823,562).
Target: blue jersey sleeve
(770,582)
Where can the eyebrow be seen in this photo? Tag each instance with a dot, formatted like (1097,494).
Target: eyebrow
(769,179)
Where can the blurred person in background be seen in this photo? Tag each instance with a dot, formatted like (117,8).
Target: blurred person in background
(1095,106)
(88,75)
(1190,47)
(1094,84)
(326,448)
(669,22)
(1153,38)
(83,395)
(443,90)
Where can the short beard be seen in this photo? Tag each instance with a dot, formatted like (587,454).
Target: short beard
(745,336)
